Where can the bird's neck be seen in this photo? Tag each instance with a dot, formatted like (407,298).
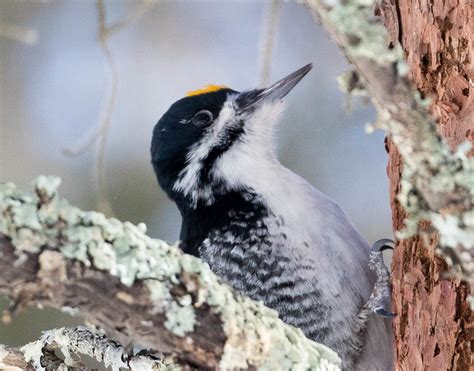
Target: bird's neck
(231,212)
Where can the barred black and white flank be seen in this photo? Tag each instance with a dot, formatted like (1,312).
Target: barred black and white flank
(262,228)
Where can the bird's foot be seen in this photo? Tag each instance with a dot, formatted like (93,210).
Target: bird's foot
(380,300)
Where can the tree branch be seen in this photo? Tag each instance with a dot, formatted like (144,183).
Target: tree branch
(139,290)
(43,354)
(13,359)
(437,184)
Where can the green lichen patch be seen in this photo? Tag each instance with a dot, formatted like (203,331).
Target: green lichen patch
(349,82)
(256,337)
(366,35)
(180,319)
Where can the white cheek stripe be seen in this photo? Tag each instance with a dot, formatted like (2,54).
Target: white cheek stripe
(189,175)
(253,157)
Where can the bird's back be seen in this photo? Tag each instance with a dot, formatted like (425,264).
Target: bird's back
(352,257)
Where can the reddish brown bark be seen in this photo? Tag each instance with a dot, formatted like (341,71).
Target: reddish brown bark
(433,329)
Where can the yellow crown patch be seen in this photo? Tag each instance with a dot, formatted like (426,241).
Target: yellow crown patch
(206,89)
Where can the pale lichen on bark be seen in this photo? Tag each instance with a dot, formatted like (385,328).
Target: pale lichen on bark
(254,334)
(72,343)
(437,184)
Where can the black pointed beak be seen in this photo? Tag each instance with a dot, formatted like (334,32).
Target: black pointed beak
(281,88)
(275,92)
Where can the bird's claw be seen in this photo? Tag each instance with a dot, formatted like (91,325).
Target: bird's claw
(382,245)
(379,301)
(383,313)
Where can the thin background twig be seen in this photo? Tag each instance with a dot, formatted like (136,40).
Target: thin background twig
(100,131)
(21,34)
(267,39)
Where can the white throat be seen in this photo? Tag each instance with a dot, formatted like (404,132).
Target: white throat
(250,160)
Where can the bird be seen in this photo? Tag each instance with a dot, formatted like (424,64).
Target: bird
(263,229)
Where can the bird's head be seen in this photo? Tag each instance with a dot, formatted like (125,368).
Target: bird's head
(212,134)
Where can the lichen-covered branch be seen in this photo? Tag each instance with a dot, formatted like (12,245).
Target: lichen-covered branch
(13,359)
(43,353)
(138,289)
(437,183)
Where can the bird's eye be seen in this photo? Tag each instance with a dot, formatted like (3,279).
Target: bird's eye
(202,118)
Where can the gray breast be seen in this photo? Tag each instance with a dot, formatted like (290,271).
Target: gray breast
(253,257)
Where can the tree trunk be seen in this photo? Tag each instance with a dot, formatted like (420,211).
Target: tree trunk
(433,329)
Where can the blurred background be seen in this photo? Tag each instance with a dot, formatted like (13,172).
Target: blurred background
(71,71)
